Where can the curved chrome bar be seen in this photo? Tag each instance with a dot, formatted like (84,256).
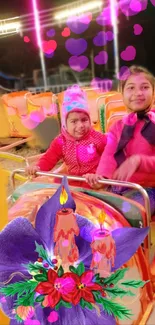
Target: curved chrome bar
(104,181)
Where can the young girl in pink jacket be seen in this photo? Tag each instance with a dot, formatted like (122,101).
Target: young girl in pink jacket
(130,151)
(78,145)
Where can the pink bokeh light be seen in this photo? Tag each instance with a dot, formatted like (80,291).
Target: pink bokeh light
(135,6)
(49,47)
(26,39)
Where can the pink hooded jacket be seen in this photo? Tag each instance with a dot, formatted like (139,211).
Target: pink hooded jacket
(138,145)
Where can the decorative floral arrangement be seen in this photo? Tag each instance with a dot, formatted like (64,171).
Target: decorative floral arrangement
(53,283)
(51,287)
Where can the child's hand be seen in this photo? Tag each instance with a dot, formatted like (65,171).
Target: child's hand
(127,169)
(92,180)
(32,170)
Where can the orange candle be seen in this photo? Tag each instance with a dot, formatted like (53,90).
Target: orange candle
(65,230)
(104,251)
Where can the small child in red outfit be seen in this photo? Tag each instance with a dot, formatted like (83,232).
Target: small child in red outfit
(79,145)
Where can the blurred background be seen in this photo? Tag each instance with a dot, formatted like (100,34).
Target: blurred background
(24,64)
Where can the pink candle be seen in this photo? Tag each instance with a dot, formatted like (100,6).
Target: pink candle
(65,230)
(104,251)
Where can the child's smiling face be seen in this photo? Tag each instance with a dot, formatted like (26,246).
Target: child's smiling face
(78,124)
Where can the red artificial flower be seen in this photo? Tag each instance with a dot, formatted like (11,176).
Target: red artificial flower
(56,288)
(84,287)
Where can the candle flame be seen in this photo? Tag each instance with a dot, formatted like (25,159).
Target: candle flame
(63,196)
(102,217)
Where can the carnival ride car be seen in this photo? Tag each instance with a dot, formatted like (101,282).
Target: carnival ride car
(120,212)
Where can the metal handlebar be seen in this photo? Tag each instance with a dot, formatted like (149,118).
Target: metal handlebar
(104,181)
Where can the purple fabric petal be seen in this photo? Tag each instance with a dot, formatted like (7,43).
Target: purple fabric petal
(83,240)
(17,247)
(45,218)
(127,242)
(86,228)
(7,306)
(75,316)
(14,322)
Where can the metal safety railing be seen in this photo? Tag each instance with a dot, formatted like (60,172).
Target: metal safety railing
(104,181)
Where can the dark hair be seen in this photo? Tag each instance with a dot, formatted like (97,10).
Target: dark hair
(133,70)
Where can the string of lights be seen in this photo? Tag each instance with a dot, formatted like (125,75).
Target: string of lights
(48,17)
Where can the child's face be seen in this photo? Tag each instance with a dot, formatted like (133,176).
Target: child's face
(138,93)
(78,124)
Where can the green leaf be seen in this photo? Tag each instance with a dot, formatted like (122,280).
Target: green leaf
(60,271)
(19,320)
(73,269)
(115,277)
(63,303)
(39,299)
(96,295)
(58,305)
(84,304)
(134,283)
(115,309)
(115,292)
(89,305)
(41,252)
(98,279)
(19,288)
(40,278)
(66,304)
(80,269)
(35,268)
(26,300)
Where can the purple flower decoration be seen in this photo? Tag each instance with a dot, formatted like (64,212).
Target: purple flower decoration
(17,247)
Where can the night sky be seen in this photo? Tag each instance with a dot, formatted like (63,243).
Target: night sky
(10,8)
(18,57)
